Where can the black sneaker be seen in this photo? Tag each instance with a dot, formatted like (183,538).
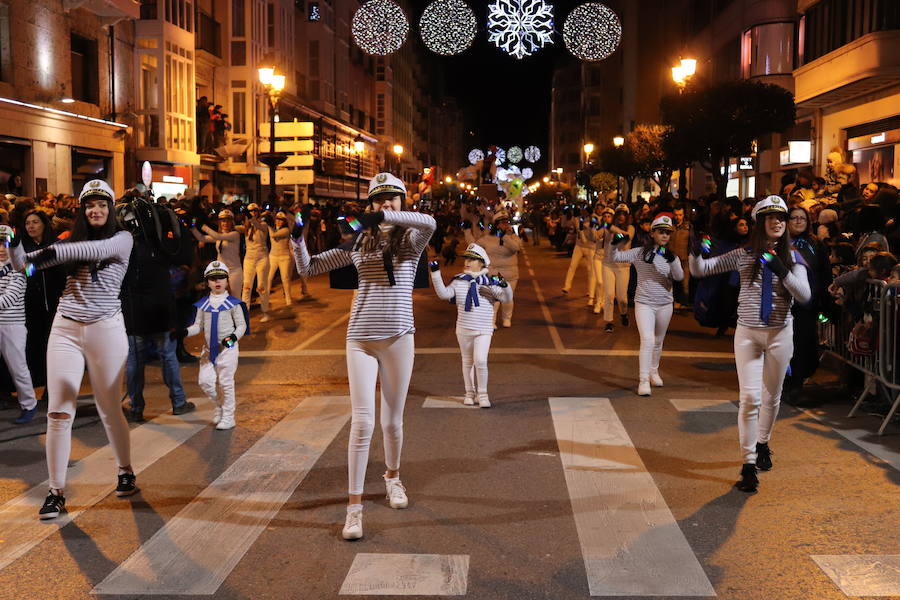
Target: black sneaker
(608,328)
(184,408)
(624,320)
(126,485)
(53,505)
(748,481)
(135,416)
(763,457)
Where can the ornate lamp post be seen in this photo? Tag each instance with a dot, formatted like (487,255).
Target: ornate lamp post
(273,84)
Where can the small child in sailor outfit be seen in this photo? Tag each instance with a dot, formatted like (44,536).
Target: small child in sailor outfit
(224,320)
(474,293)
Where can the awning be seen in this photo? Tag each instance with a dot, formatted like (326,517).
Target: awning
(109,11)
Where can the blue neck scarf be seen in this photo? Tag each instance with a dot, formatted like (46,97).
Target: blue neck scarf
(230,302)
(472,294)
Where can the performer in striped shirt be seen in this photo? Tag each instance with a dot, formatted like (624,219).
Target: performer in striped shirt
(385,252)
(13,334)
(656,268)
(772,277)
(88,331)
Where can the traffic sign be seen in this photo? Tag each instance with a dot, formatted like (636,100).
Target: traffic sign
(287,145)
(289,129)
(289,177)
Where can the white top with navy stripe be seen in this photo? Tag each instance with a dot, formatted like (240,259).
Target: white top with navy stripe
(12,295)
(380,310)
(654,280)
(479,318)
(231,319)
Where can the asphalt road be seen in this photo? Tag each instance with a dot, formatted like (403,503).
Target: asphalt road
(570,486)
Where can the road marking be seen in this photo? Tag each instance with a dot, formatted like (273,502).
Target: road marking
(860,437)
(310,341)
(407,575)
(446,402)
(631,543)
(703,405)
(551,326)
(198,548)
(864,574)
(91,479)
(496,350)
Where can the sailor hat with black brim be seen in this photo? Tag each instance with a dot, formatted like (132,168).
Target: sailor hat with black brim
(386,183)
(663,221)
(476,252)
(768,206)
(96,188)
(215,269)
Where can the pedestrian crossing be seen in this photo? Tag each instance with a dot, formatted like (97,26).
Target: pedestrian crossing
(630,542)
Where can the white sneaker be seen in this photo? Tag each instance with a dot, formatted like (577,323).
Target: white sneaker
(655,379)
(217,415)
(484,401)
(396,493)
(590,301)
(353,525)
(264,319)
(226,423)
(507,322)
(469,400)
(644,388)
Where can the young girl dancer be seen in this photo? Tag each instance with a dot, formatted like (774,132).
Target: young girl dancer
(228,247)
(280,257)
(656,268)
(385,252)
(88,331)
(256,259)
(772,276)
(474,293)
(615,275)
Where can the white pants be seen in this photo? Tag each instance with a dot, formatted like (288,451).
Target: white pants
(581,255)
(256,267)
(652,323)
(474,347)
(597,292)
(615,287)
(235,277)
(103,348)
(283,264)
(12,347)
(213,377)
(506,308)
(391,361)
(762,357)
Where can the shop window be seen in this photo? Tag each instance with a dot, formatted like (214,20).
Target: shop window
(89,164)
(85,83)
(12,167)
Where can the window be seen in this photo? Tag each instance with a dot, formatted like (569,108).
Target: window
(5,50)
(149,105)
(830,24)
(85,83)
(768,50)
(270,24)
(237,18)
(239,110)
(238,54)
(314,58)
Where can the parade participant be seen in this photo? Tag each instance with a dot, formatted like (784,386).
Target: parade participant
(223,320)
(585,241)
(502,246)
(385,251)
(88,331)
(256,259)
(12,331)
(280,258)
(615,275)
(657,267)
(474,293)
(772,276)
(228,247)
(601,228)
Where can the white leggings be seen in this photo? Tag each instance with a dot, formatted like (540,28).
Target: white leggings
(762,356)
(211,377)
(283,264)
(12,346)
(506,308)
(103,348)
(391,360)
(615,287)
(580,255)
(652,323)
(256,267)
(474,347)
(597,292)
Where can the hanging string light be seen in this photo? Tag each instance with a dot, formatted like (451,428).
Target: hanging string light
(520,27)
(514,155)
(475,155)
(379,27)
(592,31)
(448,27)
(532,154)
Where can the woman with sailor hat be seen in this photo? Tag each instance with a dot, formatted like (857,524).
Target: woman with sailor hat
(228,247)
(502,246)
(772,277)
(385,250)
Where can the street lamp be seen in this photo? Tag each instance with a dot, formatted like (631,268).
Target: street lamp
(588,148)
(398,152)
(618,141)
(273,84)
(358,146)
(683,72)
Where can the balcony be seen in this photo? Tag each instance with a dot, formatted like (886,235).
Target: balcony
(109,11)
(209,35)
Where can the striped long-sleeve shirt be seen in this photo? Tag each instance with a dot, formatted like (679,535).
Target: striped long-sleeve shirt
(12,295)
(92,293)
(654,280)
(795,285)
(479,318)
(380,310)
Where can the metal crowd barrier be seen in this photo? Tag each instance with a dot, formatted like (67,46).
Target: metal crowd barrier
(881,366)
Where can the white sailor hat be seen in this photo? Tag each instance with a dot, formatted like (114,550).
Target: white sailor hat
(501,215)
(97,187)
(215,269)
(621,206)
(478,253)
(226,214)
(252,206)
(768,206)
(386,183)
(663,221)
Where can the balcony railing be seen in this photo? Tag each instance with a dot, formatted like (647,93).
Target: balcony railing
(209,34)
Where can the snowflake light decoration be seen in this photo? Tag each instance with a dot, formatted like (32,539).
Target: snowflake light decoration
(527,173)
(475,155)
(592,31)
(501,156)
(532,154)
(514,154)
(379,27)
(448,27)
(520,27)
(502,174)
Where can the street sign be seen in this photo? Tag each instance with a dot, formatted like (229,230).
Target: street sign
(289,177)
(289,129)
(299,160)
(287,145)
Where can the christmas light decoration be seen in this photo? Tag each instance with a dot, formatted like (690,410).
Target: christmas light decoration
(527,173)
(532,154)
(379,27)
(592,31)
(514,155)
(448,27)
(501,156)
(520,27)
(475,155)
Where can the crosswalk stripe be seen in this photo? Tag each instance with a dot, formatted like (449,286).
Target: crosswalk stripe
(630,542)
(446,402)
(92,479)
(407,575)
(869,575)
(703,405)
(499,350)
(198,548)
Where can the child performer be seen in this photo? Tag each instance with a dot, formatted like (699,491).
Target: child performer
(224,320)
(474,293)
(656,266)
(772,277)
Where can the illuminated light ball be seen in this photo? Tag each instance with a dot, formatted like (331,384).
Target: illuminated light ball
(527,173)
(448,27)
(475,155)
(501,155)
(379,27)
(514,154)
(592,31)
(532,154)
